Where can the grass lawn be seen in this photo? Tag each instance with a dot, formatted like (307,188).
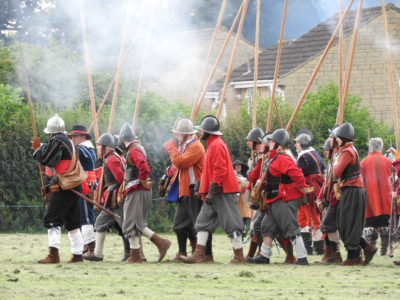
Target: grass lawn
(22,278)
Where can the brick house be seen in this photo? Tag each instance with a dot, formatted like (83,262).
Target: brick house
(369,78)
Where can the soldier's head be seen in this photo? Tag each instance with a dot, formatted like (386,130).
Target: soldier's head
(209,126)
(183,129)
(332,136)
(302,142)
(253,138)
(237,166)
(279,140)
(345,134)
(327,148)
(375,145)
(79,134)
(127,135)
(106,142)
(55,125)
(265,139)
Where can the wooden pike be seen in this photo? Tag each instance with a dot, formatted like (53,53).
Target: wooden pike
(87,199)
(28,96)
(389,59)
(210,50)
(318,66)
(214,68)
(349,65)
(340,57)
(139,91)
(88,71)
(119,67)
(276,74)
(257,38)
(112,83)
(232,59)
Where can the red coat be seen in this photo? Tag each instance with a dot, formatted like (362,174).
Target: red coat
(377,183)
(285,165)
(218,167)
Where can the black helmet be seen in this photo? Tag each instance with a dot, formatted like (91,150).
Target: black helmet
(210,125)
(107,140)
(255,135)
(118,144)
(333,130)
(346,131)
(126,133)
(265,138)
(327,144)
(304,140)
(281,137)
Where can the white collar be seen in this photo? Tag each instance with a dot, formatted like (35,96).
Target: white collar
(309,149)
(87,144)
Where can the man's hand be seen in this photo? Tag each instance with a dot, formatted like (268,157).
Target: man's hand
(145,183)
(213,190)
(35,143)
(254,206)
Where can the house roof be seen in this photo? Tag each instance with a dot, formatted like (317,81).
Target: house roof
(297,52)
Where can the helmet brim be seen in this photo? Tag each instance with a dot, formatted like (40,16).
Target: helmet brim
(48,132)
(207,131)
(190,132)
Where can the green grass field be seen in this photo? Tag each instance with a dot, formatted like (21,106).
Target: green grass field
(22,278)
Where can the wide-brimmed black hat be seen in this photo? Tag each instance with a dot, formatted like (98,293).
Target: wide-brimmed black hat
(80,130)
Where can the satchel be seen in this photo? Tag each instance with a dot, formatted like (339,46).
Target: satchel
(75,174)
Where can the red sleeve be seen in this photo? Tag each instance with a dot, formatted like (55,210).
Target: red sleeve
(114,165)
(290,168)
(219,165)
(255,173)
(139,159)
(345,159)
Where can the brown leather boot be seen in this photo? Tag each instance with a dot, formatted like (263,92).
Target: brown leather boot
(238,258)
(358,261)
(252,248)
(193,244)
(75,259)
(178,256)
(335,257)
(51,258)
(134,257)
(327,253)
(290,260)
(396,262)
(162,245)
(369,253)
(90,247)
(92,257)
(196,257)
(85,248)
(208,258)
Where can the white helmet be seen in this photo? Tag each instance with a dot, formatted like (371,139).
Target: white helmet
(55,124)
(184,126)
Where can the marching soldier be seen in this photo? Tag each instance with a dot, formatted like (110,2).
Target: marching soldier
(327,202)
(220,188)
(137,192)
(245,211)
(189,163)
(312,166)
(284,181)
(376,170)
(58,155)
(87,157)
(113,177)
(351,208)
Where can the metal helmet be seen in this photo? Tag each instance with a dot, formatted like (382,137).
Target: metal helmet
(304,140)
(327,144)
(255,135)
(118,144)
(333,130)
(346,131)
(281,137)
(126,133)
(265,138)
(184,126)
(107,140)
(54,125)
(210,125)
